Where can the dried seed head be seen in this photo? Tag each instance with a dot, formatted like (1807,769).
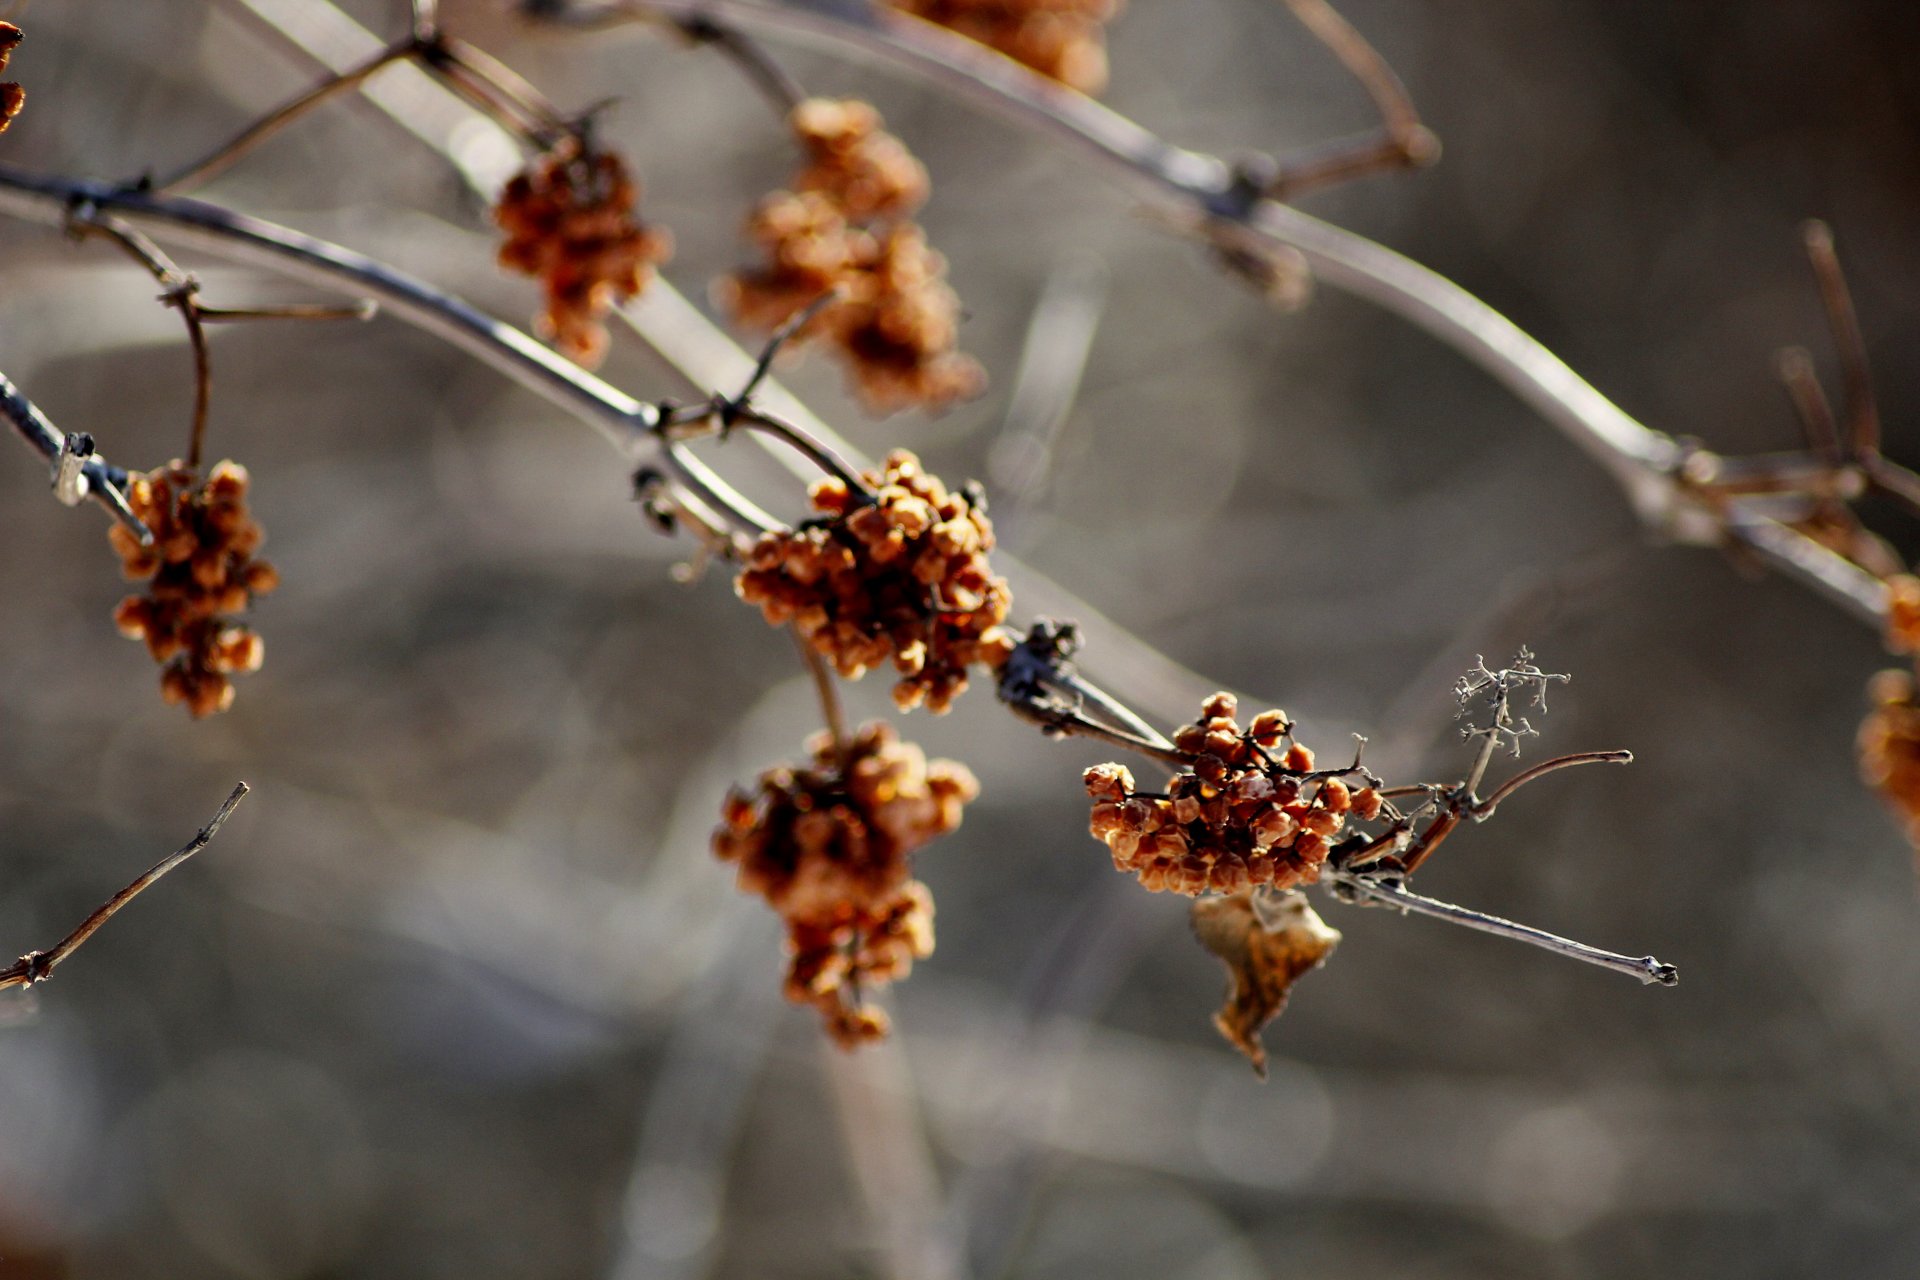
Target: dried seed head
(829,845)
(199,571)
(1232,819)
(904,578)
(570,221)
(12,96)
(1889,748)
(841,230)
(1903,613)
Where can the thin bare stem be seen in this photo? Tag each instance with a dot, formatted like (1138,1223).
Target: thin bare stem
(202,380)
(501,82)
(813,450)
(1862,414)
(1057,719)
(829,693)
(426,21)
(782,92)
(1646,968)
(38,966)
(1376,76)
(365,309)
(1795,367)
(1484,809)
(1893,480)
(105,483)
(217,160)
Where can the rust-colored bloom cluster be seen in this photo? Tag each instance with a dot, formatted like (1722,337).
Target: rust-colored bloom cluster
(827,846)
(1889,739)
(200,572)
(1889,748)
(1063,39)
(570,221)
(12,96)
(1247,812)
(843,229)
(901,576)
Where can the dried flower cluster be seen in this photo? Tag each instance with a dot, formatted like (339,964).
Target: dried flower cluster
(1063,39)
(1889,740)
(570,221)
(901,576)
(828,846)
(12,96)
(1238,817)
(1889,748)
(842,229)
(200,572)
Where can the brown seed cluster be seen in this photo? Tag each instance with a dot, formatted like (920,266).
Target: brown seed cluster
(843,229)
(1903,613)
(12,96)
(570,221)
(1248,811)
(903,576)
(828,846)
(1889,748)
(200,572)
(1063,39)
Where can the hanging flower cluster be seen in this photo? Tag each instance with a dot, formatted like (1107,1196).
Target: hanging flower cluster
(200,572)
(842,229)
(828,846)
(570,222)
(1239,816)
(1063,39)
(901,577)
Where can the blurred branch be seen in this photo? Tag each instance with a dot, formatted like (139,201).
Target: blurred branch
(68,455)
(38,966)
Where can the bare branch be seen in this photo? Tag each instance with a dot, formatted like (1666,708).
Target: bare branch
(1862,415)
(38,966)
(1646,968)
(63,452)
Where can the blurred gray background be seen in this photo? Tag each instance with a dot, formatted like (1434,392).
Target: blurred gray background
(460,991)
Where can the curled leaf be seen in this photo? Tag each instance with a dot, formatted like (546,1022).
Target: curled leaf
(1267,943)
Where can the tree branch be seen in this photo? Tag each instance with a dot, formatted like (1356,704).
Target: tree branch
(38,966)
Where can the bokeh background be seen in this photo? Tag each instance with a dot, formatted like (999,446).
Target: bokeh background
(460,991)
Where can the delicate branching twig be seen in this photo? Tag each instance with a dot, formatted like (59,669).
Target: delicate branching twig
(828,694)
(38,966)
(782,92)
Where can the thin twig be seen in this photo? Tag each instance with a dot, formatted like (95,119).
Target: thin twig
(1646,968)
(259,131)
(1483,809)
(781,90)
(1862,415)
(829,695)
(38,966)
(1403,142)
(365,309)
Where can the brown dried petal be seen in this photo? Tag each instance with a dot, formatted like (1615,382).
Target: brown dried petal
(1266,945)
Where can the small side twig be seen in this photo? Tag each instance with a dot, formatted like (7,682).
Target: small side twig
(38,966)
(1647,969)
(1402,142)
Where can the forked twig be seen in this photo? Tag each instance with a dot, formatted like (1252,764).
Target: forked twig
(38,966)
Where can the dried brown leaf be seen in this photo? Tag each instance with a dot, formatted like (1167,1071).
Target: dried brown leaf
(1267,943)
